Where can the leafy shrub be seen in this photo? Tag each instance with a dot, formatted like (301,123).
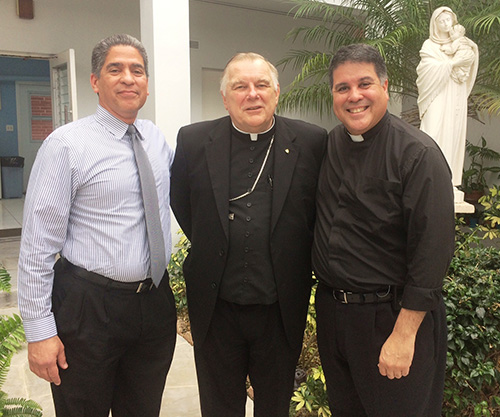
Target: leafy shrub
(11,340)
(176,275)
(491,213)
(310,398)
(472,298)
(311,395)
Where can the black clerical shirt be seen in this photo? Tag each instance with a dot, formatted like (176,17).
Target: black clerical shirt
(248,277)
(385,213)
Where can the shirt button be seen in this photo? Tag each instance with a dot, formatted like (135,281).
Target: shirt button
(248,218)
(250,175)
(250,160)
(213,285)
(252,148)
(221,252)
(249,204)
(247,234)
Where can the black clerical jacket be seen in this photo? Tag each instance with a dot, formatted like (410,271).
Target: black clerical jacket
(200,201)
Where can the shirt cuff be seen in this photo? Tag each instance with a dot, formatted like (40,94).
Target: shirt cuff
(421,299)
(40,329)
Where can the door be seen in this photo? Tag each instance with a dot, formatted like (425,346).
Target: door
(29,141)
(61,91)
(63,82)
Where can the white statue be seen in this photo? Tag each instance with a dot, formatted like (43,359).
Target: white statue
(446,74)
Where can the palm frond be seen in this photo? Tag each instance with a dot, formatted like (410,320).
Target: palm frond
(5,285)
(11,335)
(397,28)
(19,407)
(11,339)
(299,99)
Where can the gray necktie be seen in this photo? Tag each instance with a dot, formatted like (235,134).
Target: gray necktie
(151,208)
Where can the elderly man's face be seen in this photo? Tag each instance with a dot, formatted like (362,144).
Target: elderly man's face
(359,99)
(250,97)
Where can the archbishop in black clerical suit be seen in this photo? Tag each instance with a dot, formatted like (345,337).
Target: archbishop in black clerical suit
(200,194)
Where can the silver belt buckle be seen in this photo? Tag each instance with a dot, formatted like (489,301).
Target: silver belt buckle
(142,286)
(343,300)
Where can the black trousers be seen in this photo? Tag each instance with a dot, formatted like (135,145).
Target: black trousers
(350,337)
(246,340)
(119,346)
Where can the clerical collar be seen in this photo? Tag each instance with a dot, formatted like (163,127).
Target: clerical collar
(254,136)
(374,131)
(356,138)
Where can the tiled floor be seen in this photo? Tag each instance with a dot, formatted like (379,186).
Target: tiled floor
(180,398)
(11,216)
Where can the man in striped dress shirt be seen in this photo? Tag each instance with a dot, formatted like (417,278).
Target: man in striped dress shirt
(97,328)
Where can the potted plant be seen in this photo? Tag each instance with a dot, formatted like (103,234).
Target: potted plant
(473,179)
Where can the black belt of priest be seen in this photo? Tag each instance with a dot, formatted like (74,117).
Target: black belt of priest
(384,295)
(136,286)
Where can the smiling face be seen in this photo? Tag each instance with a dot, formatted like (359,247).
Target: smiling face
(359,99)
(250,95)
(122,85)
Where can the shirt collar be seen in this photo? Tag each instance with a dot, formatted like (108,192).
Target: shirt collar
(370,133)
(118,128)
(254,136)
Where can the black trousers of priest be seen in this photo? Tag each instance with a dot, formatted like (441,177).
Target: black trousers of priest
(245,340)
(350,337)
(119,346)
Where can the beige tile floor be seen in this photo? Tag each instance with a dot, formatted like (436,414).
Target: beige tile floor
(180,398)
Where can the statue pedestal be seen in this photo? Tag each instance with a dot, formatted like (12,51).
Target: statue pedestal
(462,206)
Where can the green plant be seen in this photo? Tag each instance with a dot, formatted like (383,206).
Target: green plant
(491,213)
(309,357)
(312,396)
(474,177)
(397,28)
(176,274)
(11,340)
(472,298)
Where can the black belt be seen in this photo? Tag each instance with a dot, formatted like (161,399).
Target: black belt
(137,286)
(348,297)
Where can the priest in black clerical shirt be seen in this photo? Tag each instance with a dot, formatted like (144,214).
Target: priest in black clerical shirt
(383,241)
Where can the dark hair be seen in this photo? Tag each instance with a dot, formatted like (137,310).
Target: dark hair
(358,52)
(100,51)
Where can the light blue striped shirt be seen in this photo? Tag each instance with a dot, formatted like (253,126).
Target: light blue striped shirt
(84,202)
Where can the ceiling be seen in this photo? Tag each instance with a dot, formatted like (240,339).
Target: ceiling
(274,6)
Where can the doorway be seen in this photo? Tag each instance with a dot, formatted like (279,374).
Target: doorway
(29,96)
(56,85)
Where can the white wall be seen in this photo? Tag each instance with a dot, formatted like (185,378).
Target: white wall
(62,24)
(222,31)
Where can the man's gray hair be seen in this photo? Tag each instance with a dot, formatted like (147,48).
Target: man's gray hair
(360,53)
(101,50)
(250,56)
